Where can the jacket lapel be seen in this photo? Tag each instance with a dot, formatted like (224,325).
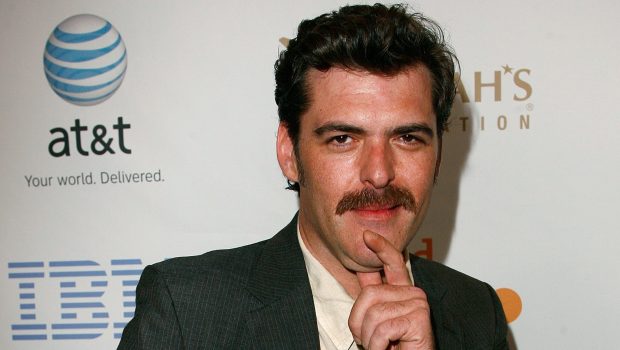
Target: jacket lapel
(447,330)
(283,315)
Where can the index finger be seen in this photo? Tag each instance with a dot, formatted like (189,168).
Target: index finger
(369,278)
(394,267)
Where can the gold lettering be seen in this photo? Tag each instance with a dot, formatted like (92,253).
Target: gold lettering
(496,84)
(460,89)
(502,122)
(464,124)
(525,86)
(284,41)
(524,121)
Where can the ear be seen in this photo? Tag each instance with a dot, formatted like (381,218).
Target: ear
(438,161)
(286,154)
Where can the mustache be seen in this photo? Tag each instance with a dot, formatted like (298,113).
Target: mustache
(390,196)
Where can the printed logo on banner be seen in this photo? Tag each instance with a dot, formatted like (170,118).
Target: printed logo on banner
(85,60)
(72,300)
(501,98)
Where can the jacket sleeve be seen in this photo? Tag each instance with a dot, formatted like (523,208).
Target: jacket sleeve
(501,328)
(155,325)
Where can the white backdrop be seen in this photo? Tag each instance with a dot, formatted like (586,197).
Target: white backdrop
(526,198)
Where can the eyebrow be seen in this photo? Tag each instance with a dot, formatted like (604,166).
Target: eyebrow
(348,128)
(351,129)
(414,128)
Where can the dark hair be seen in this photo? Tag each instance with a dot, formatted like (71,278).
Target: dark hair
(376,39)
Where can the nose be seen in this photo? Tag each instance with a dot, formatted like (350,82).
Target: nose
(377,164)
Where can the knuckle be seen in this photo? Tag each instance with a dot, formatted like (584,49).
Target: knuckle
(386,309)
(401,323)
(376,312)
(371,294)
(420,293)
(392,329)
(383,330)
(373,291)
(351,324)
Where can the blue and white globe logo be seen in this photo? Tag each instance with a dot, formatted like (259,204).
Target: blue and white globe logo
(85,60)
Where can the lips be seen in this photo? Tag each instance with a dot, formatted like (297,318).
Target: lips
(376,212)
(378,207)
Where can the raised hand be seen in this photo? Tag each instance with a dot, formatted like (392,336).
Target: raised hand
(390,313)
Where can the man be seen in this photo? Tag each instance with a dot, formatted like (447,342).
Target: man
(363,97)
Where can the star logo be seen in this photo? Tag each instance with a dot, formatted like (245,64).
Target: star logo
(507,69)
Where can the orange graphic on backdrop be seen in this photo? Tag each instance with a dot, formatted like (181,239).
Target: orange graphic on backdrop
(511,303)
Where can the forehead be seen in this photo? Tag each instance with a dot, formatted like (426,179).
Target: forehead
(340,93)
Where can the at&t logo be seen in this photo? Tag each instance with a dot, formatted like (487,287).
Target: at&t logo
(85,60)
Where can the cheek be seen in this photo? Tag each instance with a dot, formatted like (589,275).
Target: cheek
(421,168)
(418,177)
(331,176)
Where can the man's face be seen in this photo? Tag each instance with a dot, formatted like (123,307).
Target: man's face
(369,149)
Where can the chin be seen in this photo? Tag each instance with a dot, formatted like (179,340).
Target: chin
(365,262)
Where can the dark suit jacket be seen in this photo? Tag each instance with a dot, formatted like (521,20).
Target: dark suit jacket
(259,297)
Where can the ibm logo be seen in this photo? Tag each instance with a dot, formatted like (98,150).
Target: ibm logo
(75,299)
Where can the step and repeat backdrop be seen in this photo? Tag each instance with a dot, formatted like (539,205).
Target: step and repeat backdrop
(133,132)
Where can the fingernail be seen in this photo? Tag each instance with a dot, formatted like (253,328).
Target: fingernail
(371,233)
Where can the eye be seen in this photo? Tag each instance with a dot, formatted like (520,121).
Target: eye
(408,138)
(340,139)
(412,140)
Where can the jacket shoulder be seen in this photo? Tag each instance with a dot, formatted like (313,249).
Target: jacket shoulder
(443,276)
(464,303)
(236,263)
(196,301)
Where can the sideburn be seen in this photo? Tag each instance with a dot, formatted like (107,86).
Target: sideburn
(300,168)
